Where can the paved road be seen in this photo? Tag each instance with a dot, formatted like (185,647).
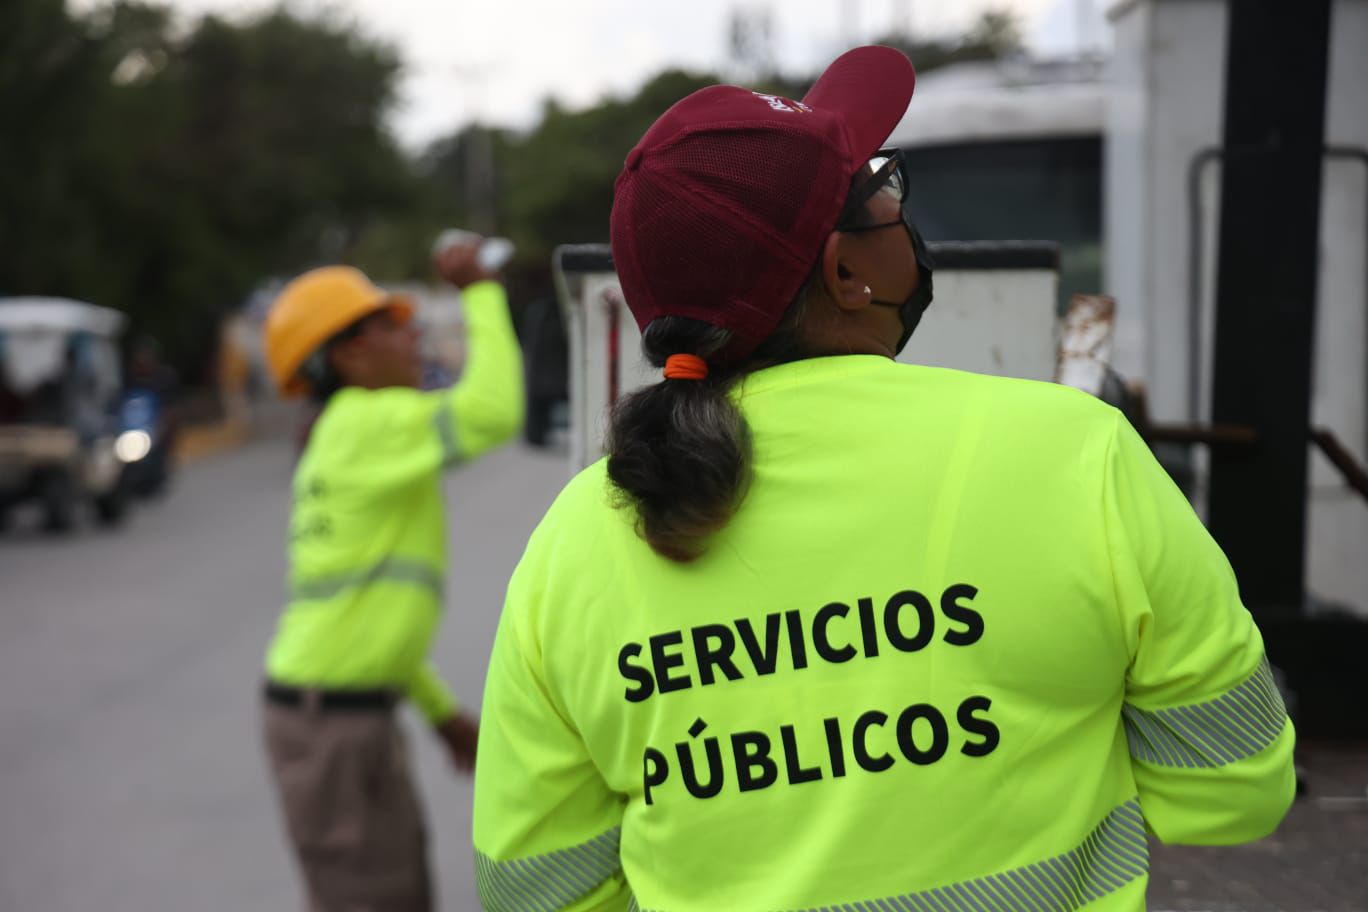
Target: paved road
(131,773)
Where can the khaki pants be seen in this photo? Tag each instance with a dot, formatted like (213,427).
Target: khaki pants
(350,808)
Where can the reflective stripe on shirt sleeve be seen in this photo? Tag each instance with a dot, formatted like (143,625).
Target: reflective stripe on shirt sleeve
(1238,724)
(444,422)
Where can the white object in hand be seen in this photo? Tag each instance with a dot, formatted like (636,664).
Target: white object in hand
(495,252)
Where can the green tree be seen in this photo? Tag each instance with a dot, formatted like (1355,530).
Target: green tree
(167,168)
(997,30)
(554,184)
(994,35)
(559,183)
(551,185)
(166,172)
(51,76)
(750,44)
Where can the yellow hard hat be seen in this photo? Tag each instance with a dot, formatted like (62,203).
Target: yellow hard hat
(312,309)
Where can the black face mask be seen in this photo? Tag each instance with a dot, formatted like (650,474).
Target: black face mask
(910,311)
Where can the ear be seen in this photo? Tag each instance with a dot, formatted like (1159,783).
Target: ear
(849,290)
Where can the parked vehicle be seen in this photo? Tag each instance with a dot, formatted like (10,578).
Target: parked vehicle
(59,391)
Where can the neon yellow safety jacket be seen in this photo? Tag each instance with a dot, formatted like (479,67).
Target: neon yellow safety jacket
(367,532)
(962,645)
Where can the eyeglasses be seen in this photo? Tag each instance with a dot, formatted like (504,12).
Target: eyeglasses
(887,173)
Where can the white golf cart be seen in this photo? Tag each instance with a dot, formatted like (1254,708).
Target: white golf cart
(59,393)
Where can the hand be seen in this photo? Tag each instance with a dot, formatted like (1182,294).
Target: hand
(460,733)
(459,264)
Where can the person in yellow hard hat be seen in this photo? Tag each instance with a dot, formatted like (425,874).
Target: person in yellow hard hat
(367,566)
(829,631)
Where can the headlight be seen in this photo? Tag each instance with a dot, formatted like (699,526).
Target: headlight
(132,445)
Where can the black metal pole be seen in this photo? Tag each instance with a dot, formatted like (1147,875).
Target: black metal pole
(1266,291)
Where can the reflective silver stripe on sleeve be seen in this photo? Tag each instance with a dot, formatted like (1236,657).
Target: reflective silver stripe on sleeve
(1238,724)
(1113,855)
(444,420)
(547,882)
(391,570)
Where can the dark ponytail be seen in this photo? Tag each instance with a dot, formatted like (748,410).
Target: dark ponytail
(679,452)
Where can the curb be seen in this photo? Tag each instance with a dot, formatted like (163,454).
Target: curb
(204,441)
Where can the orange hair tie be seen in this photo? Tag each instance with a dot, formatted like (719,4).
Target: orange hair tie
(685,367)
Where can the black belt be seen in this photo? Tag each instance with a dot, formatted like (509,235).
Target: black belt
(326,700)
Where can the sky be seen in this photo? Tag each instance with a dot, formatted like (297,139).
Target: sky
(498,60)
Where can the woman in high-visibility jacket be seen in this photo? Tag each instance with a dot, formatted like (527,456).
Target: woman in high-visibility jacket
(827,631)
(367,569)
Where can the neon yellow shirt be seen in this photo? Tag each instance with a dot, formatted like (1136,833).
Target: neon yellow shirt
(962,644)
(367,531)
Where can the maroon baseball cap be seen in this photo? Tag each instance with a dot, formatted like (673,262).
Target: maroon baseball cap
(721,210)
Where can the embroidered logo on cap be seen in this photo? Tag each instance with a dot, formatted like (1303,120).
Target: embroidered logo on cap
(783,104)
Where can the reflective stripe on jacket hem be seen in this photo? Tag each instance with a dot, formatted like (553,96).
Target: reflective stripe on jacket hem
(547,882)
(391,570)
(1238,724)
(1113,855)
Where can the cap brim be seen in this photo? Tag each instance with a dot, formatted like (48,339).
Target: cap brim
(869,88)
